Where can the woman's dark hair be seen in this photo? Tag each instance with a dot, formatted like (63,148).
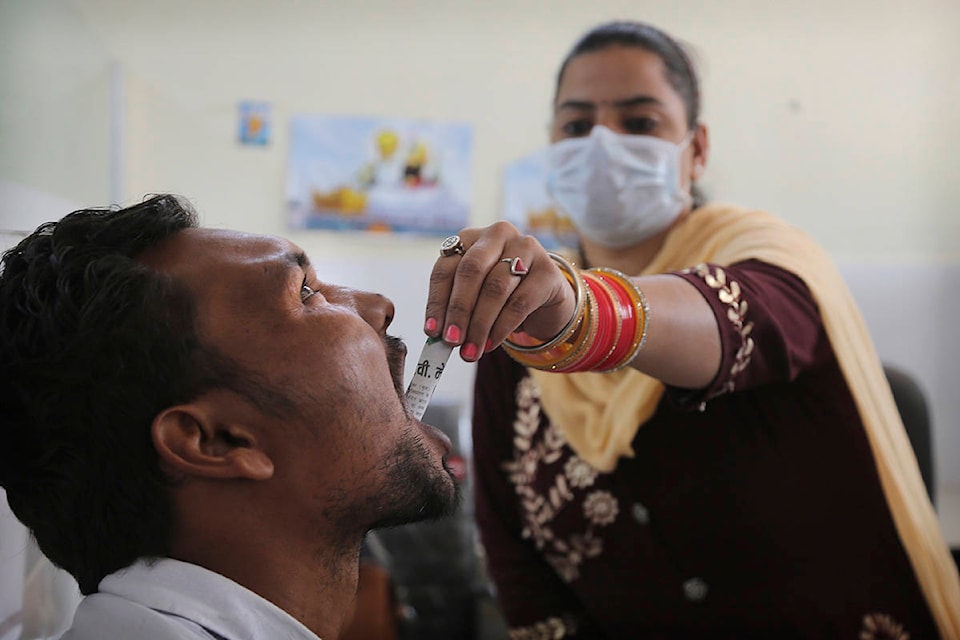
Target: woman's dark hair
(93,344)
(680,70)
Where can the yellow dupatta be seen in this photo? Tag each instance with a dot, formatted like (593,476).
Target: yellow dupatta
(599,414)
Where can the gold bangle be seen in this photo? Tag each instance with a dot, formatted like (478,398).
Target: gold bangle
(583,341)
(548,359)
(573,277)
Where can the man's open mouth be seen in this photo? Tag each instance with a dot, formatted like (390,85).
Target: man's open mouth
(396,357)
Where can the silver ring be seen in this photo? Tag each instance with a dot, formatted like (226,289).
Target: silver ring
(451,246)
(517,267)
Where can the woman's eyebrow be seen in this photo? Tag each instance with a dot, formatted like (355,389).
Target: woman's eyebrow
(632,101)
(635,101)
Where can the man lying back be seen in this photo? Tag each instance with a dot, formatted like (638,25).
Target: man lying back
(199,428)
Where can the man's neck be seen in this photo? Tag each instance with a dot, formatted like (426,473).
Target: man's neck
(315,584)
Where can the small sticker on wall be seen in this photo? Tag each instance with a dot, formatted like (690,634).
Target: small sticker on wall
(254,123)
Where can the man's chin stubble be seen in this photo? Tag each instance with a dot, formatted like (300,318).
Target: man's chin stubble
(419,491)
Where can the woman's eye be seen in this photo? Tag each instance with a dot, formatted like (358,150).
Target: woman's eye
(305,292)
(576,128)
(639,125)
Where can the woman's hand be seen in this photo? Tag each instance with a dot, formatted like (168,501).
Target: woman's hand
(476,301)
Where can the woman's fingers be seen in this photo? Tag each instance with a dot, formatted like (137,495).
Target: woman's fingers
(441,285)
(540,305)
(504,300)
(457,281)
(479,297)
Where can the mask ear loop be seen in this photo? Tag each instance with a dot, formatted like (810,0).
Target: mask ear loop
(689,202)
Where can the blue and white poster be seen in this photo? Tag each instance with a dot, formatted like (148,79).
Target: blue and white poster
(528,206)
(358,173)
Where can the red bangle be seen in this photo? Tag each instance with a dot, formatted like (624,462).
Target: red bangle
(628,316)
(633,341)
(608,326)
(607,330)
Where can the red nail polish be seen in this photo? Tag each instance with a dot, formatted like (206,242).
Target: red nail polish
(453,334)
(469,351)
(487,345)
(430,325)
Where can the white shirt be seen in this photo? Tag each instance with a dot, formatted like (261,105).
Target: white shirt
(172,600)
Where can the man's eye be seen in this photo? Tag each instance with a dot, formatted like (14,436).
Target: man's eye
(305,292)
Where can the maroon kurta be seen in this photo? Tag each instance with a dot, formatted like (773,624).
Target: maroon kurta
(751,509)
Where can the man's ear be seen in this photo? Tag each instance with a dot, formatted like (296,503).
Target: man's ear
(191,441)
(701,150)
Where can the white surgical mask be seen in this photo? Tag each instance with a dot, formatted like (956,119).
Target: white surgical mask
(617,189)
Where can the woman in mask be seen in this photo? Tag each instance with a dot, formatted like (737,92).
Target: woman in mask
(682,429)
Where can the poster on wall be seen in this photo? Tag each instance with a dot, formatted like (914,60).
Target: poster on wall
(254,123)
(354,173)
(527,205)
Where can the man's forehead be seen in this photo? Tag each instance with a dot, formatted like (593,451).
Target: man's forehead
(205,248)
(227,270)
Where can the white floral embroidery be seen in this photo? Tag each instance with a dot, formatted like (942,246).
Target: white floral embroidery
(580,472)
(880,626)
(549,629)
(565,566)
(539,509)
(601,508)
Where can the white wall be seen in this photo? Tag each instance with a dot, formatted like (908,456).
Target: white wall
(54,116)
(838,116)
(54,124)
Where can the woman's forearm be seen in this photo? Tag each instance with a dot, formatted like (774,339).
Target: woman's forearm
(683,340)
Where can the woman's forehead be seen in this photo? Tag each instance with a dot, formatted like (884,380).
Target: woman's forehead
(613,73)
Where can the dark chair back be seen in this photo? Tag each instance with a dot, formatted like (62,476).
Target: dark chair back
(912,404)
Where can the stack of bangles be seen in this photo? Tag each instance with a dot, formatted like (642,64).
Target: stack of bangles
(605,333)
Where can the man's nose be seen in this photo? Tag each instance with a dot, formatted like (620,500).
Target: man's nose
(376,309)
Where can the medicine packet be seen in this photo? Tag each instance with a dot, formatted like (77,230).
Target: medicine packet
(430,365)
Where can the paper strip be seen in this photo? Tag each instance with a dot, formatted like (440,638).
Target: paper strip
(433,358)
